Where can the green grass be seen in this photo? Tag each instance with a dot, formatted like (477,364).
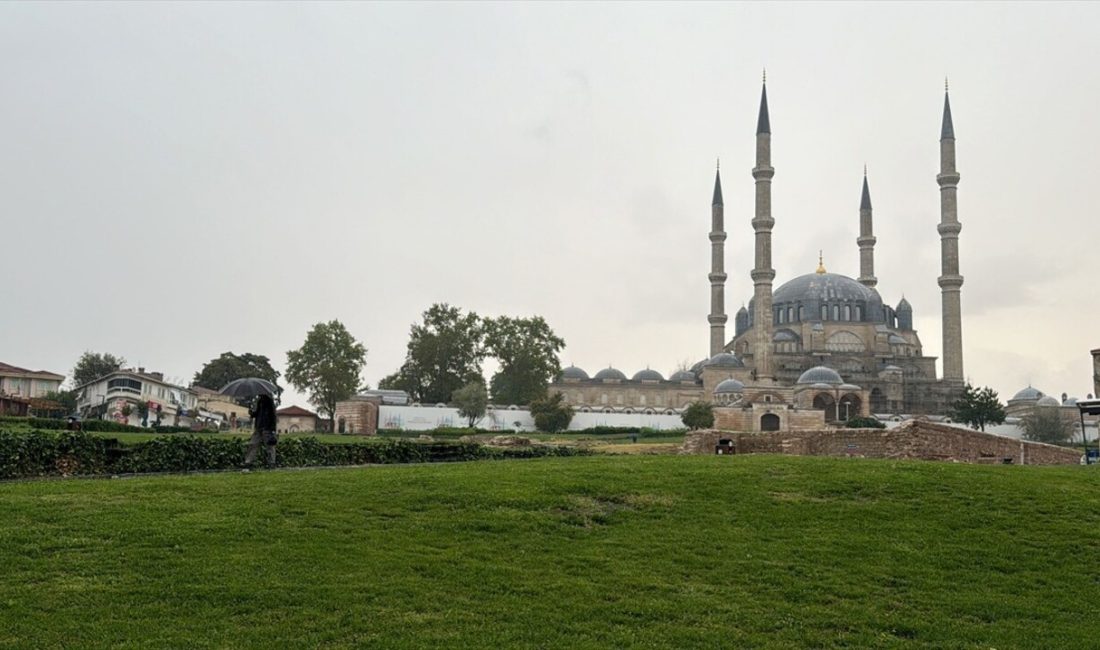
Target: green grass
(597,552)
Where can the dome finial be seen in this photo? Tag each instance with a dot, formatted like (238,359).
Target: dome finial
(764,77)
(718,163)
(820,263)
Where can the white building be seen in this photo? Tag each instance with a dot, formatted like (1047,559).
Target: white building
(30,384)
(121,395)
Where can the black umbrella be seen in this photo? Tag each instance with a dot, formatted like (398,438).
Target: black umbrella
(249,387)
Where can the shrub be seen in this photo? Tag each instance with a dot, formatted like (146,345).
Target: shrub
(698,415)
(864,423)
(551,413)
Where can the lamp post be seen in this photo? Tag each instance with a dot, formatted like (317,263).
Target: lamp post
(1087,407)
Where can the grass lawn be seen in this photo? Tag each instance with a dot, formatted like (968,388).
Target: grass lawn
(598,552)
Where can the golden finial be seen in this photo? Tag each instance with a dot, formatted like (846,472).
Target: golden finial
(820,263)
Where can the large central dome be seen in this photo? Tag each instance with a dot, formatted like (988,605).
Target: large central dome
(821,287)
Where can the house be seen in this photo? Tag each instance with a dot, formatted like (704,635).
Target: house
(214,405)
(294,419)
(139,398)
(28,384)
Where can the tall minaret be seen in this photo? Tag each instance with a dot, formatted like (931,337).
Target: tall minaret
(866,239)
(950,281)
(717,277)
(762,223)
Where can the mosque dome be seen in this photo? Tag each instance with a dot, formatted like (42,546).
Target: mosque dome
(730,385)
(1070,401)
(573,372)
(784,336)
(821,287)
(904,305)
(698,367)
(682,375)
(648,375)
(724,360)
(1048,400)
(821,375)
(1029,394)
(610,373)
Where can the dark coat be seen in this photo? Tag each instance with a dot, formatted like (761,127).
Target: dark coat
(263,415)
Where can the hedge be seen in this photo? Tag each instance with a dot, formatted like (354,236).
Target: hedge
(73,453)
(99,426)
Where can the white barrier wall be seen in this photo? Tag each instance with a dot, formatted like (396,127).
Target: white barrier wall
(423,418)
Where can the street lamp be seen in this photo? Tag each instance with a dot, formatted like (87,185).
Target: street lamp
(1087,407)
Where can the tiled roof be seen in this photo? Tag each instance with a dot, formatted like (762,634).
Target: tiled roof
(295,411)
(9,369)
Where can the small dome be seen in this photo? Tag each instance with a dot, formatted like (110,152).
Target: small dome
(610,373)
(730,385)
(1029,393)
(1048,400)
(683,375)
(904,305)
(1070,401)
(648,375)
(724,360)
(698,367)
(849,387)
(820,375)
(894,339)
(573,372)
(785,336)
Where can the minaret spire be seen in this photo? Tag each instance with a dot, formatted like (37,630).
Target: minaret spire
(950,280)
(866,240)
(717,276)
(762,224)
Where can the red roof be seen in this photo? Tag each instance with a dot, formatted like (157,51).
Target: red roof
(296,411)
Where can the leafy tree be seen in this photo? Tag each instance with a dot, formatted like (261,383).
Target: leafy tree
(864,423)
(527,350)
(444,354)
(698,415)
(327,366)
(978,407)
(65,400)
(551,413)
(472,401)
(1048,424)
(229,367)
(93,365)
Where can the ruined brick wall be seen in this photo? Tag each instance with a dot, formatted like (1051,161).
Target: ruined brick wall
(358,416)
(912,440)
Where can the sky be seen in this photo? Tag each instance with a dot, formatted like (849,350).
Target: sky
(181,180)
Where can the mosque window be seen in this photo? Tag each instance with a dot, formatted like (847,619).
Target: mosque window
(779,315)
(847,312)
(844,342)
(801,313)
(790,314)
(641,400)
(836,312)
(824,312)
(859,313)
(603,398)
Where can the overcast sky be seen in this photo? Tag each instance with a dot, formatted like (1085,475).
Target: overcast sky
(179,180)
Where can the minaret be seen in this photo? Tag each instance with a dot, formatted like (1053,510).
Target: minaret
(762,223)
(950,281)
(866,239)
(717,277)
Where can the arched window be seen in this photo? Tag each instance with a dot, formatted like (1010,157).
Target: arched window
(847,312)
(801,313)
(836,312)
(790,314)
(859,313)
(779,315)
(824,312)
(844,342)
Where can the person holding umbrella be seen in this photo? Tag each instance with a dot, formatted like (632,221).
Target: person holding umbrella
(262,413)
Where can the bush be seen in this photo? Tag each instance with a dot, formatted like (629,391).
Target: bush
(551,413)
(864,423)
(47,453)
(698,415)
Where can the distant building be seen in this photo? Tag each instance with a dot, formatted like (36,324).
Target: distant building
(28,384)
(121,395)
(295,419)
(213,406)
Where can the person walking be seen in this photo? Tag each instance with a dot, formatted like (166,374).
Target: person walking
(263,430)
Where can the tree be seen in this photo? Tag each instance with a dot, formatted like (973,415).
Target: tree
(229,367)
(327,366)
(978,407)
(1048,424)
(527,350)
(93,365)
(698,415)
(65,401)
(471,400)
(444,354)
(551,413)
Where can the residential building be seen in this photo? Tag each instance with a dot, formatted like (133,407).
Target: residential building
(124,395)
(294,419)
(20,382)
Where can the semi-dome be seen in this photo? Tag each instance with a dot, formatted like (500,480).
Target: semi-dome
(821,287)
(648,375)
(724,360)
(894,339)
(1048,400)
(1028,393)
(573,372)
(730,385)
(610,373)
(682,375)
(821,375)
(784,336)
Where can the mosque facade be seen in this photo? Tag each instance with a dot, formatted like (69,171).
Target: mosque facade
(820,342)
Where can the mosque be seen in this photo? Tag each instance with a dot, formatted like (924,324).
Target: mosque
(821,346)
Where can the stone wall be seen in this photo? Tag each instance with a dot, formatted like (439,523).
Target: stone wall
(914,440)
(358,415)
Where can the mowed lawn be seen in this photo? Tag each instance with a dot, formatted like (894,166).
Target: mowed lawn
(598,552)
